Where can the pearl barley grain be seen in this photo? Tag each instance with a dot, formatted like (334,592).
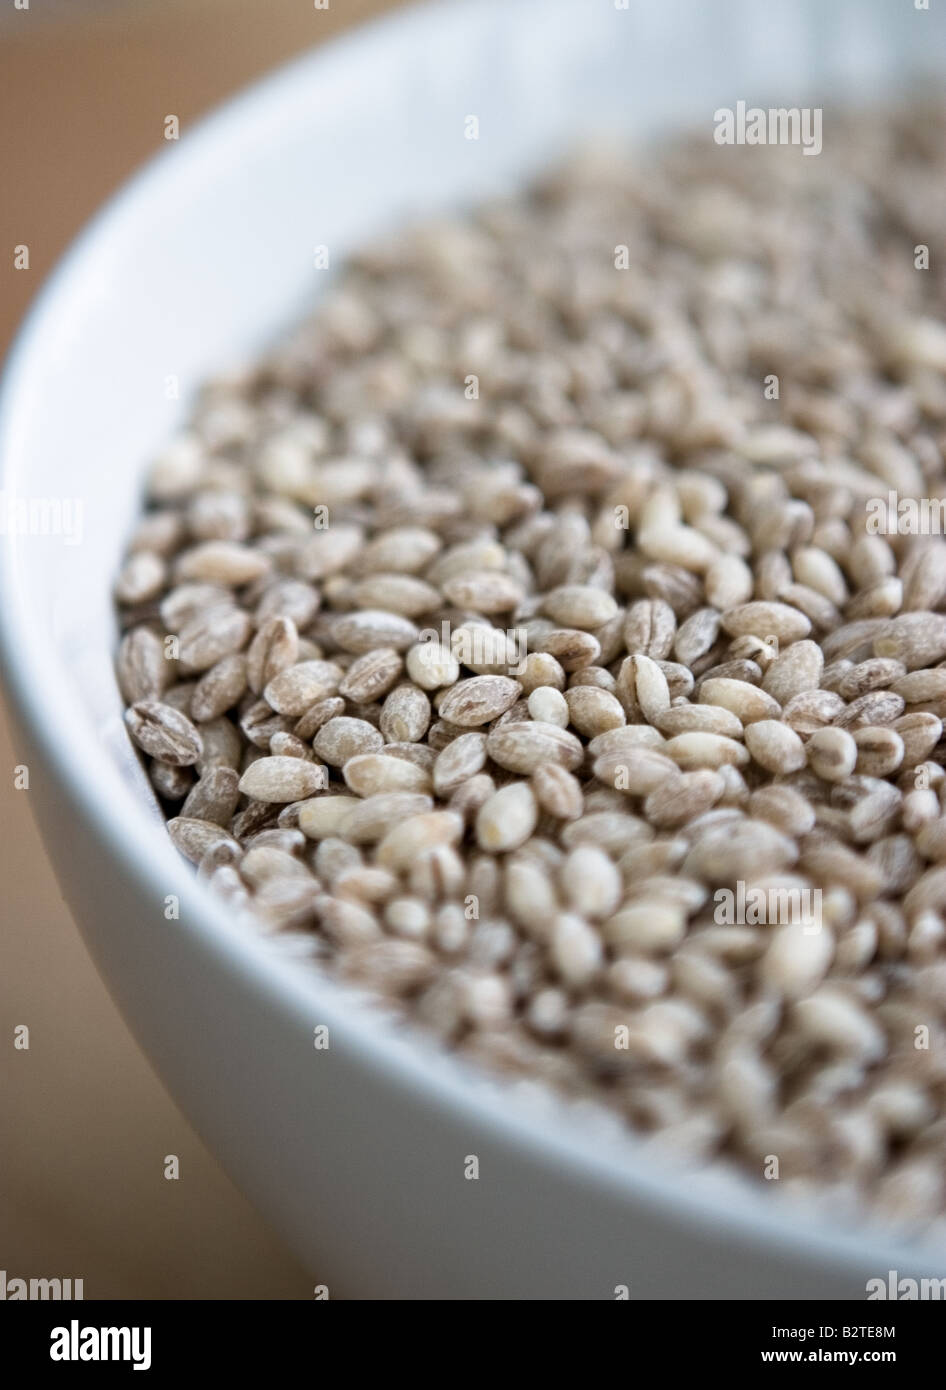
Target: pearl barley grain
(432,666)
(507,819)
(597,730)
(548,706)
(832,754)
(591,881)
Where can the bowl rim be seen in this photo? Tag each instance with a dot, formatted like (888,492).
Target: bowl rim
(734,1212)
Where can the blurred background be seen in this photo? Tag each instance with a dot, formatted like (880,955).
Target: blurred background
(85,86)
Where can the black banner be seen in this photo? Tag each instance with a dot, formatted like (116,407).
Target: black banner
(160,1338)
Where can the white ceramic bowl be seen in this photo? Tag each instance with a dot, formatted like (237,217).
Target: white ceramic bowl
(357,1154)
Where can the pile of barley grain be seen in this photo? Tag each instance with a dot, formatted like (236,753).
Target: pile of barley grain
(560,417)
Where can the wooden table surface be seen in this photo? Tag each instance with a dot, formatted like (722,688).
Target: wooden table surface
(84,1122)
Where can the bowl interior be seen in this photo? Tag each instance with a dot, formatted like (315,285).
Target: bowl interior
(210,252)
